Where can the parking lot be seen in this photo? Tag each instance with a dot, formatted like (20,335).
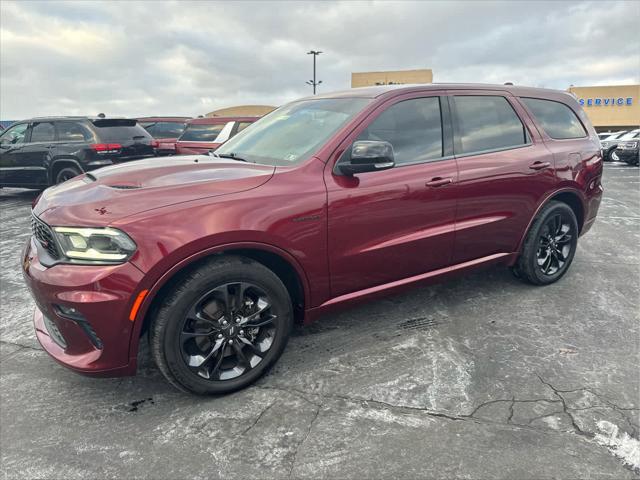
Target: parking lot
(480,377)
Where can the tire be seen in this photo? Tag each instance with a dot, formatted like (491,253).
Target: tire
(549,246)
(633,161)
(194,338)
(66,173)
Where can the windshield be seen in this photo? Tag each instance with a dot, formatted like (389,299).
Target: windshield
(290,134)
(631,135)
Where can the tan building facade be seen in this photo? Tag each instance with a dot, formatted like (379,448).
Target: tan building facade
(397,77)
(242,111)
(610,108)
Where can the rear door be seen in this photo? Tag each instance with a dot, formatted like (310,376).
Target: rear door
(398,223)
(505,171)
(11,142)
(34,157)
(134,141)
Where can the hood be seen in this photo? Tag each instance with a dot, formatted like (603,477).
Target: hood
(102,196)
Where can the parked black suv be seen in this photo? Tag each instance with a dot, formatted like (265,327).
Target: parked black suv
(628,149)
(40,152)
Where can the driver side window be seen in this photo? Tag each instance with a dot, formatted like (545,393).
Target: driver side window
(15,134)
(412,127)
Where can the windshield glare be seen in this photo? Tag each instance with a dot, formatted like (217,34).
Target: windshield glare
(631,135)
(290,134)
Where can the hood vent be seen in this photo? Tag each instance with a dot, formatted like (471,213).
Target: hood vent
(125,187)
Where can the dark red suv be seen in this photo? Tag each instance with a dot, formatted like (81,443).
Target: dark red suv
(326,201)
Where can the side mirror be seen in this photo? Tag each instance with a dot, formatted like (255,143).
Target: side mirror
(368,156)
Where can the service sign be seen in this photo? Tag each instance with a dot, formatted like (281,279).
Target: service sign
(606,102)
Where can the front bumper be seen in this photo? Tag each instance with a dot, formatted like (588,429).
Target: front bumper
(82,312)
(628,155)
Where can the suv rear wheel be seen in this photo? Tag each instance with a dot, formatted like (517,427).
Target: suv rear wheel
(550,245)
(222,326)
(66,173)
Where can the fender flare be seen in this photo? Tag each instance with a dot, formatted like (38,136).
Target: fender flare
(546,200)
(159,282)
(60,160)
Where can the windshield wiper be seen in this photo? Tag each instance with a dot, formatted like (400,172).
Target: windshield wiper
(231,155)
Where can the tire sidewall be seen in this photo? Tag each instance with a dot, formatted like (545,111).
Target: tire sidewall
(171,321)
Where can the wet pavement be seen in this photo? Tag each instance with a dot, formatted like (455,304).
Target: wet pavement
(479,377)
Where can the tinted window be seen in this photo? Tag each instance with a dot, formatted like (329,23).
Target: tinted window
(114,131)
(73,132)
(164,129)
(242,126)
(43,132)
(557,120)
(487,123)
(14,134)
(201,133)
(413,127)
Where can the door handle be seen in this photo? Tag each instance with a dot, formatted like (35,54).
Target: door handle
(539,165)
(438,182)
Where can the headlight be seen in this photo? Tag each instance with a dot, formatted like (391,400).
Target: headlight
(94,245)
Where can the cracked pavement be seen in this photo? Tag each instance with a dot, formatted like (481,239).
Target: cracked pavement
(479,377)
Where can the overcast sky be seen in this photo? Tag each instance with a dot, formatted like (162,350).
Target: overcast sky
(67,58)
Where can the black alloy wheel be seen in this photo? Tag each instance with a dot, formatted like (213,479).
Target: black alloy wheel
(228,331)
(221,326)
(554,246)
(549,246)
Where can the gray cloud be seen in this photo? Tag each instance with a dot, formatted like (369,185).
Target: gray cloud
(190,58)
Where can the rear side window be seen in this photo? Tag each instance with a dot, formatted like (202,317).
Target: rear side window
(201,133)
(556,119)
(413,127)
(117,131)
(43,132)
(73,132)
(487,123)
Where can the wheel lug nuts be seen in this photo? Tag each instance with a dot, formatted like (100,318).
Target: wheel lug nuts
(219,335)
(230,341)
(241,332)
(237,320)
(224,322)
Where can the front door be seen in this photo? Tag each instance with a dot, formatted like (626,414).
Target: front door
(393,224)
(11,143)
(35,155)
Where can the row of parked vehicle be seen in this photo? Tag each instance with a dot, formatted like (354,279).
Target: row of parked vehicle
(40,152)
(621,146)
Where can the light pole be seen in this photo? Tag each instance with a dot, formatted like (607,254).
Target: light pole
(313,82)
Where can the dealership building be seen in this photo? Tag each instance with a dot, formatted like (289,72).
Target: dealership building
(610,108)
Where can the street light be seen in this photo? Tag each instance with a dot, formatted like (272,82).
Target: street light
(313,82)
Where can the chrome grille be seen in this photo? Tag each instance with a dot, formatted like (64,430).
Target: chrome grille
(43,234)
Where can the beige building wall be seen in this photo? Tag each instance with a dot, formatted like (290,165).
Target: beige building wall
(242,111)
(610,106)
(367,79)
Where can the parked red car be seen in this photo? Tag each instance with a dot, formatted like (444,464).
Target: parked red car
(325,202)
(205,134)
(166,131)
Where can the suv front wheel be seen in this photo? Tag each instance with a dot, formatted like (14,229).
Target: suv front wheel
(550,245)
(222,326)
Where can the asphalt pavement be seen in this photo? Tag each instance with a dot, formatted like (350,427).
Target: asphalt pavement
(480,377)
